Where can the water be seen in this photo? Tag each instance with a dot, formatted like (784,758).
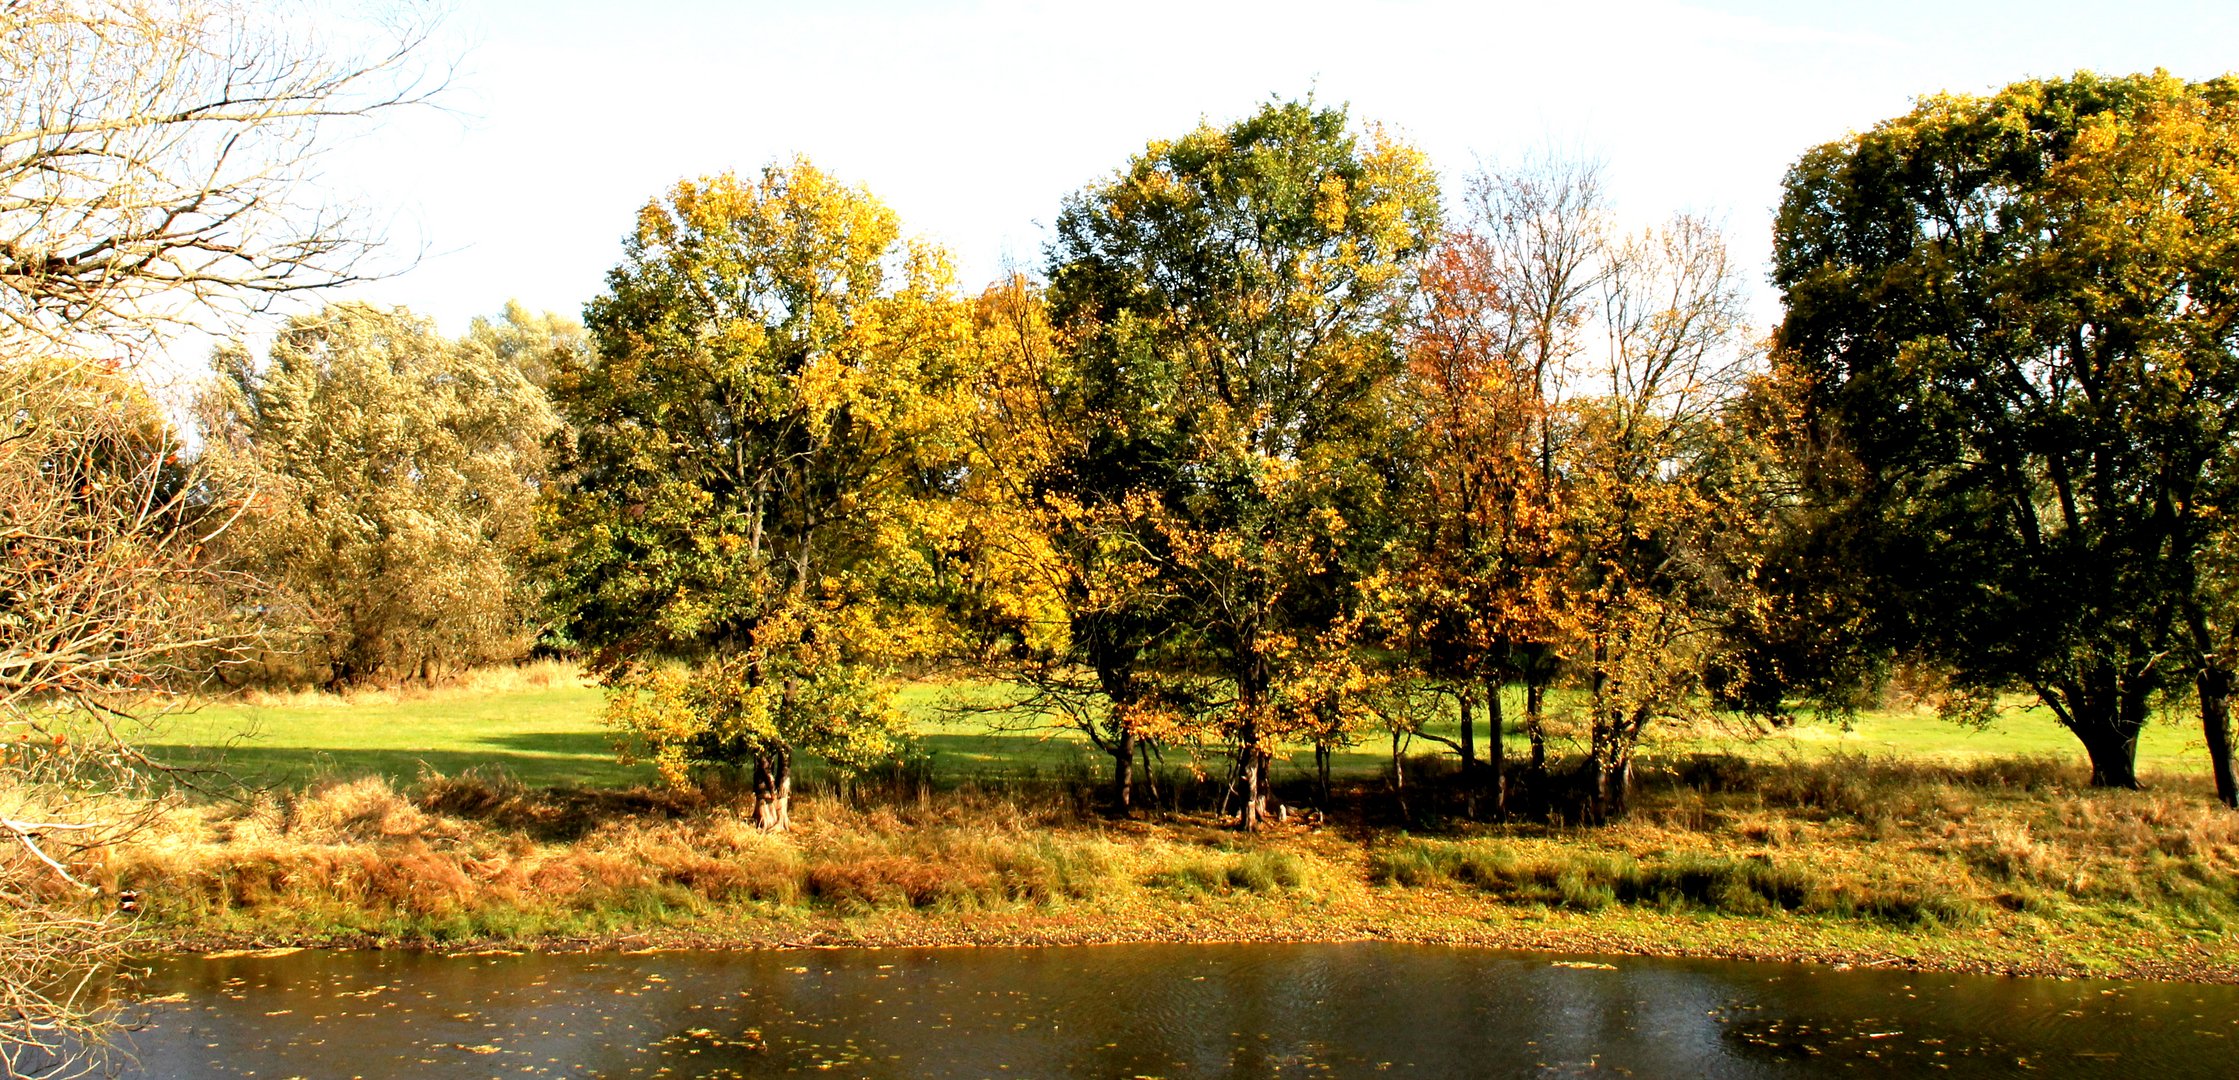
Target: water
(1147,1010)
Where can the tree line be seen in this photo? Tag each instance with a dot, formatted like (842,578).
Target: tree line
(1280,441)
(1281,446)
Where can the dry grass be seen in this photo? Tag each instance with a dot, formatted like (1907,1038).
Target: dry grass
(480,682)
(1902,842)
(2003,847)
(473,856)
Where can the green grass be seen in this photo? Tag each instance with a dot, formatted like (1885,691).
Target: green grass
(550,735)
(543,735)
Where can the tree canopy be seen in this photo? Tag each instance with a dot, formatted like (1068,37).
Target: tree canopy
(390,478)
(752,498)
(2011,321)
(1237,297)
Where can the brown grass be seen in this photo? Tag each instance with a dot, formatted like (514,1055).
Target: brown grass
(2011,852)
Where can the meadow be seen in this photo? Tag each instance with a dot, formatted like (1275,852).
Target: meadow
(492,814)
(539,724)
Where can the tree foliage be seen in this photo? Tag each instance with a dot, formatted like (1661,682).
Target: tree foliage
(1236,297)
(755,499)
(2011,318)
(388,478)
(1647,494)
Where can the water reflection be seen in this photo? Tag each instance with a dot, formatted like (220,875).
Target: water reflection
(1146,1010)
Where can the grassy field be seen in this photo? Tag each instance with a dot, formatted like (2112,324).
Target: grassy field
(540,725)
(2006,865)
(492,814)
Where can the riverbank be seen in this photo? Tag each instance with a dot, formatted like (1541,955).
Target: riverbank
(2006,867)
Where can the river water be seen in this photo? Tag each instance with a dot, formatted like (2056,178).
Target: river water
(1147,1010)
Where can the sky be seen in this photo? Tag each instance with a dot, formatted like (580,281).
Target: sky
(975,119)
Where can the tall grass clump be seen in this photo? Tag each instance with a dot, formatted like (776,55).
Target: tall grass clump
(1587,880)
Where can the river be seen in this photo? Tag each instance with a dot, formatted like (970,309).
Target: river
(1145,1010)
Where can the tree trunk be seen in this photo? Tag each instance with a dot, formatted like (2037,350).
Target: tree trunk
(1535,727)
(1150,777)
(2114,756)
(1123,772)
(1468,739)
(1496,755)
(1255,788)
(773,792)
(1613,786)
(2215,686)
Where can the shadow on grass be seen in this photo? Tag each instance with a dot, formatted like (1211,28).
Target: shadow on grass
(587,759)
(253,766)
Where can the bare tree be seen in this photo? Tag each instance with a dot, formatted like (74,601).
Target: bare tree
(157,160)
(157,157)
(108,608)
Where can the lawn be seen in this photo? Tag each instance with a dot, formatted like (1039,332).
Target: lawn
(545,731)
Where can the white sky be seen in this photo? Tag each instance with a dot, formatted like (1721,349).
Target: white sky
(975,119)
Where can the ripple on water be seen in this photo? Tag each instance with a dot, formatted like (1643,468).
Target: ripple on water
(1155,1010)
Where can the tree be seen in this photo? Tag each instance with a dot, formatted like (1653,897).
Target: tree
(155,158)
(389,478)
(1545,238)
(1467,595)
(537,344)
(2011,319)
(1643,475)
(1239,294)
(1067,602)
(109,607)
(756,494)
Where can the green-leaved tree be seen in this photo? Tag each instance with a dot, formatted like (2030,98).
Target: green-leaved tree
(388,479)
(1236,298)
(2011,320)
(753,507)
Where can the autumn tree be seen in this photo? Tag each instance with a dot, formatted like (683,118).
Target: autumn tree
(755,493)
(1642,467)
(1065,600)
(1543,226)
(389,479)
(535,343)
(1238,295)
(1467,595)
(2011,317)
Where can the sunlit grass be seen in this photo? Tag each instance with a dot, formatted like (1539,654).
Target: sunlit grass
(541,725)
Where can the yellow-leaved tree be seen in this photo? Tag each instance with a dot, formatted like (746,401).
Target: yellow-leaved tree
(753,505)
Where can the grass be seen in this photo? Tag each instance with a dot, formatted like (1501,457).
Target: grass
(540,724)
(1998,864)
(492,812)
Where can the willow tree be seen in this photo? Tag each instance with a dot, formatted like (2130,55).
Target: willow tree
(751,504)
(1238,294)
(2013,318)
(389,478)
